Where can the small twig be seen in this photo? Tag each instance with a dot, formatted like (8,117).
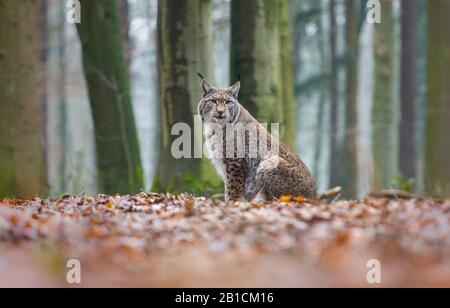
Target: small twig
(395,194)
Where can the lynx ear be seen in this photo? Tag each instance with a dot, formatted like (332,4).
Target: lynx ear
(206,87)
(234,90)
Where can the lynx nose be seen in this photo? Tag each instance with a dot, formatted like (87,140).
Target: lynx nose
(220,112)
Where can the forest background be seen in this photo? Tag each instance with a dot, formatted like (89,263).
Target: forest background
(88,107)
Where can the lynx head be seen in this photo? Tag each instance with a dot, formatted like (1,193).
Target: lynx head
(219,105)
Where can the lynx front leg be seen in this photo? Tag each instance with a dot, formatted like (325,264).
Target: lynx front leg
(235,180)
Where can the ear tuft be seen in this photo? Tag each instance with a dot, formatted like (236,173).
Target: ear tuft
(234,90)
(206,87)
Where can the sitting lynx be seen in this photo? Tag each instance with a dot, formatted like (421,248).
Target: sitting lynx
(252,162)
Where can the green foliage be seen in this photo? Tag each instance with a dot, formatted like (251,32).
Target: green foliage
(201,187)
(192,184)
(402,183)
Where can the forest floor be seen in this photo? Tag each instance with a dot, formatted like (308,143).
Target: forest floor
(152,240)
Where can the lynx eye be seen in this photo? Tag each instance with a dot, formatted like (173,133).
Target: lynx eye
(213,101)
(229,102)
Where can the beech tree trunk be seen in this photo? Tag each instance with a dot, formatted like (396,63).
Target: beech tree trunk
(124,10)
(23,171)
(287,75)
(384,112)
(57,117)
(184,48)
(408,124)
(350,161)
(118,156)
(437,149)
(336,167)
(260,38)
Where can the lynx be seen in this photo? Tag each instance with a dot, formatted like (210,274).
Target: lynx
(253,164)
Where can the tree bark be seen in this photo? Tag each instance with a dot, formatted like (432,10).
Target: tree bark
(118,156)
(255,53)
(350,177)
(57,137)
(125,28)
(22,126)
(384,111)
(437,162)
(287,75)
(335,163)
(184,48)
(261,53)
(408,125)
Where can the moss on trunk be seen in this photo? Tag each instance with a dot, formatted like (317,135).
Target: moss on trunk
(118,154)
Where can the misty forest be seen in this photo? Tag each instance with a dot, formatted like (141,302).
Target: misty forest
(89,107)
(90,92)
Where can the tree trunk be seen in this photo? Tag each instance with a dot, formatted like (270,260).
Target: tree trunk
(118,156)
(335,163)
(255,54)
(350,177)
(408,124)
(295,13)
(287,75)
(323,94)
(22,129)
(437,162)
(56,99)
(184,48)
(384,112)
(261,53)
(125,28)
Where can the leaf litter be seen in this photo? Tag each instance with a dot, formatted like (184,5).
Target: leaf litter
(182,241)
